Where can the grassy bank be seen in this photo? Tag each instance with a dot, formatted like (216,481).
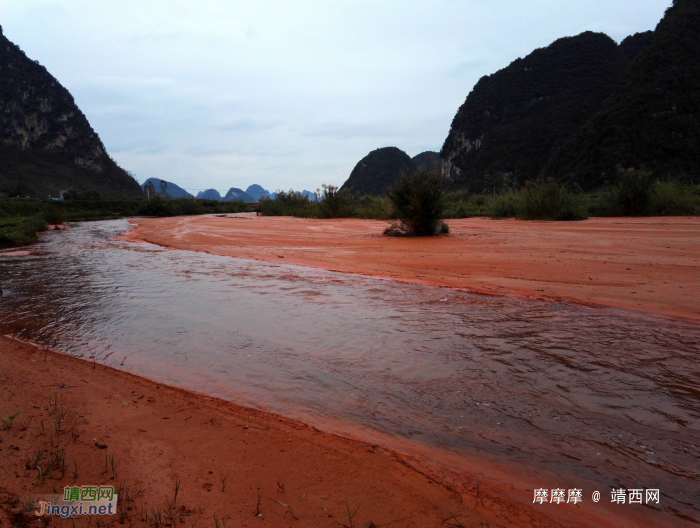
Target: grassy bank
(634,195)
(22,218)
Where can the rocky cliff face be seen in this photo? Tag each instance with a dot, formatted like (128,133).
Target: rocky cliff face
(513,120)
(46,142)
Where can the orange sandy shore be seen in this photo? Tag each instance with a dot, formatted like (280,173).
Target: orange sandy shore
(650,264)
(158,435)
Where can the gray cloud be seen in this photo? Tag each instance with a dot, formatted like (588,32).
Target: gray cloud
(222,93)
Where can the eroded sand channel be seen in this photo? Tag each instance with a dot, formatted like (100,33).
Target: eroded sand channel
(529,393)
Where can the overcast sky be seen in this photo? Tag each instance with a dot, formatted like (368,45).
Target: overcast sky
(287,94)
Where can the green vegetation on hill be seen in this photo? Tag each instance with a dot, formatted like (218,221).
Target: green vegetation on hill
(632,45)
(428,160)
(652,119)
(512,121)
(377,171)
(46,143)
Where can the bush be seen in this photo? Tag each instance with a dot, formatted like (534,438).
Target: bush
(419,204)
(461,204)
(287,203)
(506,205)
(20,230)
(335,204)
(551,201)
(631,196)
(672,197)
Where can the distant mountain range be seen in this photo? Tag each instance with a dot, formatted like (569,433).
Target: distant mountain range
(576,111)
(46,142)
(166,189)
(252,194)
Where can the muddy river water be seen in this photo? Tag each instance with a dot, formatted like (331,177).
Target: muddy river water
(530,394)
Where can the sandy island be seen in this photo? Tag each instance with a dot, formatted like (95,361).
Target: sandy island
(650,264)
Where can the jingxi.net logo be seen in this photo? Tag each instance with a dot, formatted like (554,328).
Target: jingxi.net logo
(79,500)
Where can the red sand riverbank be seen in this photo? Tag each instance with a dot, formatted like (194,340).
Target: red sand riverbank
(650,264)
(158,434)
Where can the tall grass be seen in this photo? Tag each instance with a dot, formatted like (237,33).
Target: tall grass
(637,195)
(548,200)
(330,203)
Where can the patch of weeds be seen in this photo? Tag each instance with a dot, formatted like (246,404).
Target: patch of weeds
(171,515)
(9,420)
(219,522)
(351,516)
(57,461)
(113,464)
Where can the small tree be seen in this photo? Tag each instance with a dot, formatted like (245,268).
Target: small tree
(334,203)
(418,205)
(633,191)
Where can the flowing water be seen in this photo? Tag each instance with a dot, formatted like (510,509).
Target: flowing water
(604,397)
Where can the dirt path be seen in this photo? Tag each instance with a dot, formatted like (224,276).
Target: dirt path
(650,264)
(159,435)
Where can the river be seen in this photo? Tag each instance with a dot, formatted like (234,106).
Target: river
(531,394)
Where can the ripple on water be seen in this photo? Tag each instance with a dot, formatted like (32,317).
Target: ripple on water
(597,395)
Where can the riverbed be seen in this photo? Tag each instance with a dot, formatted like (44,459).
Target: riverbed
(522,393)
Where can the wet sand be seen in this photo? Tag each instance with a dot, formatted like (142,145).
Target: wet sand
(650,264)
(158,435)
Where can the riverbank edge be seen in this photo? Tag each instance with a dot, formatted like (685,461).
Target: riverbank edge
(499,283)
(143,425)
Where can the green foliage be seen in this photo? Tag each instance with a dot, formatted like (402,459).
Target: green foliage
(378,171)
(637,195)
(335,203)
(675,198)
(506,205)
(514,119)
(632,194)
(419,204)
(46,142)
(287,203)
(652,119)
(18,230)
(462,204)
(332,203)
(22,218)
(551,201)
